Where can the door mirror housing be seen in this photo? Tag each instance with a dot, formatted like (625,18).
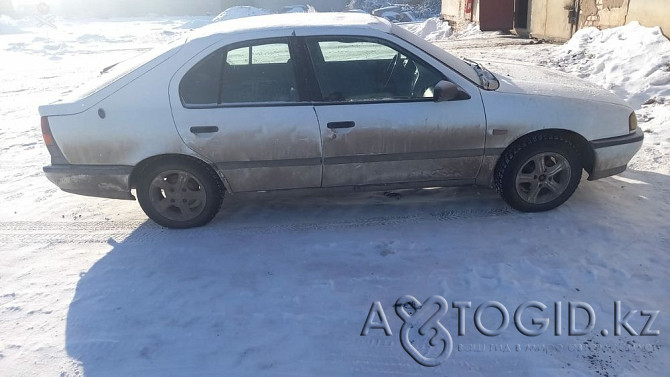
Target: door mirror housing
(448,91)
(445,91)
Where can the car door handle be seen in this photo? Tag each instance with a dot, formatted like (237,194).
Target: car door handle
(335,125)
(204,129)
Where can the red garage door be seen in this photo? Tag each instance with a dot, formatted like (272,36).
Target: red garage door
(496,15)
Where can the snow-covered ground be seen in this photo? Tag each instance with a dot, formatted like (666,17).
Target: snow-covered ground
(280,285)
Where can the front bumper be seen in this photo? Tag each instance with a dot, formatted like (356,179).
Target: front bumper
(612,155)
(92,180)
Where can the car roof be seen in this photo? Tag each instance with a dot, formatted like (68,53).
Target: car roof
(302,21)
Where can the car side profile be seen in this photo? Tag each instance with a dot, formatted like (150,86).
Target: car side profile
(318,101)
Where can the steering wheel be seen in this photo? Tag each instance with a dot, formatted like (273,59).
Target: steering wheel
(391,69)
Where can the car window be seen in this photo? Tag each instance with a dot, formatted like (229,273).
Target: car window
(351,69)
(200,86)
(259,73)
(334,51)
(256,73)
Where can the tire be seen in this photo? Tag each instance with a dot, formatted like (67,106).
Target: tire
(180,193)
(539,173)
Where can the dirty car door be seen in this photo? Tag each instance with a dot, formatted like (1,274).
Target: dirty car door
(379,121)
(240,108)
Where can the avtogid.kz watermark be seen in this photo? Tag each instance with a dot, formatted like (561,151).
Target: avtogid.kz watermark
(429,342)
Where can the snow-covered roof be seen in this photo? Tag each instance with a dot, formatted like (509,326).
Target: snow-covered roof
(296,21)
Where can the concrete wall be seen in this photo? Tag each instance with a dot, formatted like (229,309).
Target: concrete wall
(650,13)
(602,13)
(454,12)
(549,19)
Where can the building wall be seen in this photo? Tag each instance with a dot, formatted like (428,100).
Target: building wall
(454,12)
(650,13)
(602,13)
(549,19)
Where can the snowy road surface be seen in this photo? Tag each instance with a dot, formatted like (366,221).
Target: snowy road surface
(280,285)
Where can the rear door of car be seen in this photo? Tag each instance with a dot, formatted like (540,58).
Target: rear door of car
(379,122)
(242,107)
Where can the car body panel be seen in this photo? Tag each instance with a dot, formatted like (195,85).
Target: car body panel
(121,137)
(251,145)
(612,155)
(402,142)
(519,78)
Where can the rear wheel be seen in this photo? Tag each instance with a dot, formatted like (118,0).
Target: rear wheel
(180,193)
(538,174)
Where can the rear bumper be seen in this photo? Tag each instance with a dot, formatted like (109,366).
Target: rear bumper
(611,156)
(99,181)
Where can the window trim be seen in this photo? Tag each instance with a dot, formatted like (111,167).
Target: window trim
(293,52)
(364,38)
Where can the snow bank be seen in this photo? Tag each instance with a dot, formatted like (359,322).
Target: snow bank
(240,12)
(433,29)
(196,23)
(633,61)
(471,31)
(8,26)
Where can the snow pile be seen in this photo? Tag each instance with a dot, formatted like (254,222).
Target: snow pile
(8,26)
(633,61)
(367,5)
(433,29)
(420,9)
(471,31)
(196,23)
(298,9)
(240,12)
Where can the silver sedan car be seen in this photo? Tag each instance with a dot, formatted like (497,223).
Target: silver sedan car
(328,101)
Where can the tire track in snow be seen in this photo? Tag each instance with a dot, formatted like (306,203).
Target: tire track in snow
(23,232)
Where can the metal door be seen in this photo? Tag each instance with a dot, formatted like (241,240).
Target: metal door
(496,15)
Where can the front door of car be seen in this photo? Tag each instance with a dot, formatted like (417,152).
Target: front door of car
(380,123)
(240,107)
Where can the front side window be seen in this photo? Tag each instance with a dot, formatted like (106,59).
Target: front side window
(354,69)
(253,73)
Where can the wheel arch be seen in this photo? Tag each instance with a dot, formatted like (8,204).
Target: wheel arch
(587,155)
(151,161)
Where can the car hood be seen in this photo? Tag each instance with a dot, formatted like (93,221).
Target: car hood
(519,78)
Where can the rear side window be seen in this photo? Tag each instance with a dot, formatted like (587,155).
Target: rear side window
(252,73)
(201,85)
(259,73)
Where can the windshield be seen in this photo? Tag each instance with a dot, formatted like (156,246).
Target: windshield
(467,68)
(450,60)
(113,72)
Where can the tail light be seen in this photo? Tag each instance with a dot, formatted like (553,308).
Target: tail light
(57,157)
(46,133)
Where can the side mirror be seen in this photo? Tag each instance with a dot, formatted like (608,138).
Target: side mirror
(445,91)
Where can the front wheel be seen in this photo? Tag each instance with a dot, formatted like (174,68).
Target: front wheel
(539,174)
(180,193)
